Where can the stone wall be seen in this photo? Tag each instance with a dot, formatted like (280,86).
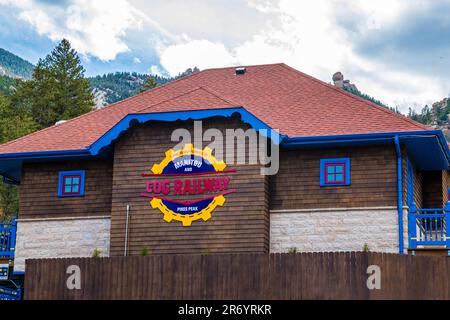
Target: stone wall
(60,238)
(319,230)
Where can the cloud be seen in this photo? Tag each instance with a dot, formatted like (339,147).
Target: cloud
(95,28)
(394,50)
(363,41)
(200,53)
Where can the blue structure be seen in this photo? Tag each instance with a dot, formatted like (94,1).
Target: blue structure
(9,290)
(8,239)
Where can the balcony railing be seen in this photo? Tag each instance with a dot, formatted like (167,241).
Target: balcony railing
(428,227)
(8,239)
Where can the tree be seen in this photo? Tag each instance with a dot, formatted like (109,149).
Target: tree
(149,84)
(14,123)
(58,89)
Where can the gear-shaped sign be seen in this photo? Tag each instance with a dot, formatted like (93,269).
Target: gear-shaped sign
(196,172)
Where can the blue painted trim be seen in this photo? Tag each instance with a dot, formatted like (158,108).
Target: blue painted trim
(61,176)
(324,162)
(114,133)
(412,231)
(399,193)
(46,154)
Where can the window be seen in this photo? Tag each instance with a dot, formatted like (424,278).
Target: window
(335,172)
(71,184)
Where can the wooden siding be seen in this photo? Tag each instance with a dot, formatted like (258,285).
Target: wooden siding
(39,190)
(445,186)
(241,277)
(432,189)
(241,225)
(418,197)
(373,179)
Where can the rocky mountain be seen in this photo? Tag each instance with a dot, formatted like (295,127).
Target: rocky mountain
(107,88)
(339,81)
(13,66)
(112,87)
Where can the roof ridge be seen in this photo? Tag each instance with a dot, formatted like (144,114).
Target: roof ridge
(187,93)
(369,103)
(209,90)
(169,99)
(247,66)
(99,110)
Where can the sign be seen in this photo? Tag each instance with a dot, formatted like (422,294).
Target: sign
(188,184)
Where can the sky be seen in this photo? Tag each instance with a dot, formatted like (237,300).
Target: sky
(395,50)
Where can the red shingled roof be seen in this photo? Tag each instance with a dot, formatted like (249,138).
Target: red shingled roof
(285,99)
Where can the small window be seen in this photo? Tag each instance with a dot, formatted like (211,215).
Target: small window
(335,172)
(71,184)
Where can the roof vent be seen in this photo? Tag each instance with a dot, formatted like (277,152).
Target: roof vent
(240,70)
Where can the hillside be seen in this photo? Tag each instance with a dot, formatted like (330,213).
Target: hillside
(14,66)
(112,87)
(437,116)
(7,84)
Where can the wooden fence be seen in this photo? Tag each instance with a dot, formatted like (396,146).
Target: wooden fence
(241,276)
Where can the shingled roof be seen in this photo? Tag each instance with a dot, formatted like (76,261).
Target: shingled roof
(285,99)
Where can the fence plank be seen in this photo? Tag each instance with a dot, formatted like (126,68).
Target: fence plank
(242,276)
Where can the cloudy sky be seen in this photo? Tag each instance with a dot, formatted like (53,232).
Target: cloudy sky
(395,50)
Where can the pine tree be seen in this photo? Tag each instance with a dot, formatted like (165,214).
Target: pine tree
(149,84)
(58,89)
(14,123)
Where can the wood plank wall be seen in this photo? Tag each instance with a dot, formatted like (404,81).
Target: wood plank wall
(241,225)
(373,179)
(39,190)
(242,276)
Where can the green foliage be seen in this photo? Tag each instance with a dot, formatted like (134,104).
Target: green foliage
(96,253)
(7,85)
(13,124)
(14,65)
(365,96)
(149,84)
(58,89)
(292,250)
(122,85)
(145,252)
(425,116)
(366,248)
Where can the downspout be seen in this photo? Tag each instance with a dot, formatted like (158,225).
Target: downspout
(399,193)
(125,249)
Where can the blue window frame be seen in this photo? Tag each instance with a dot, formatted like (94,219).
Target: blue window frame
(71,183)
(335,172)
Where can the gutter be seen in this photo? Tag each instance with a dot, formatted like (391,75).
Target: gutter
(398,153)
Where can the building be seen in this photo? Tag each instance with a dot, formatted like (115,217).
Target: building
(351,174)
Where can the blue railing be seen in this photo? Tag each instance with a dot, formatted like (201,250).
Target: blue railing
(10,293)
(8,239)
(429,227)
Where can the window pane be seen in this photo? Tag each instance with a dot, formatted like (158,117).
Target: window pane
(75,189)
(330,178)
(339,177)
(330,169)
(339,169)
(76,180)
(67,180)
(67,189)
